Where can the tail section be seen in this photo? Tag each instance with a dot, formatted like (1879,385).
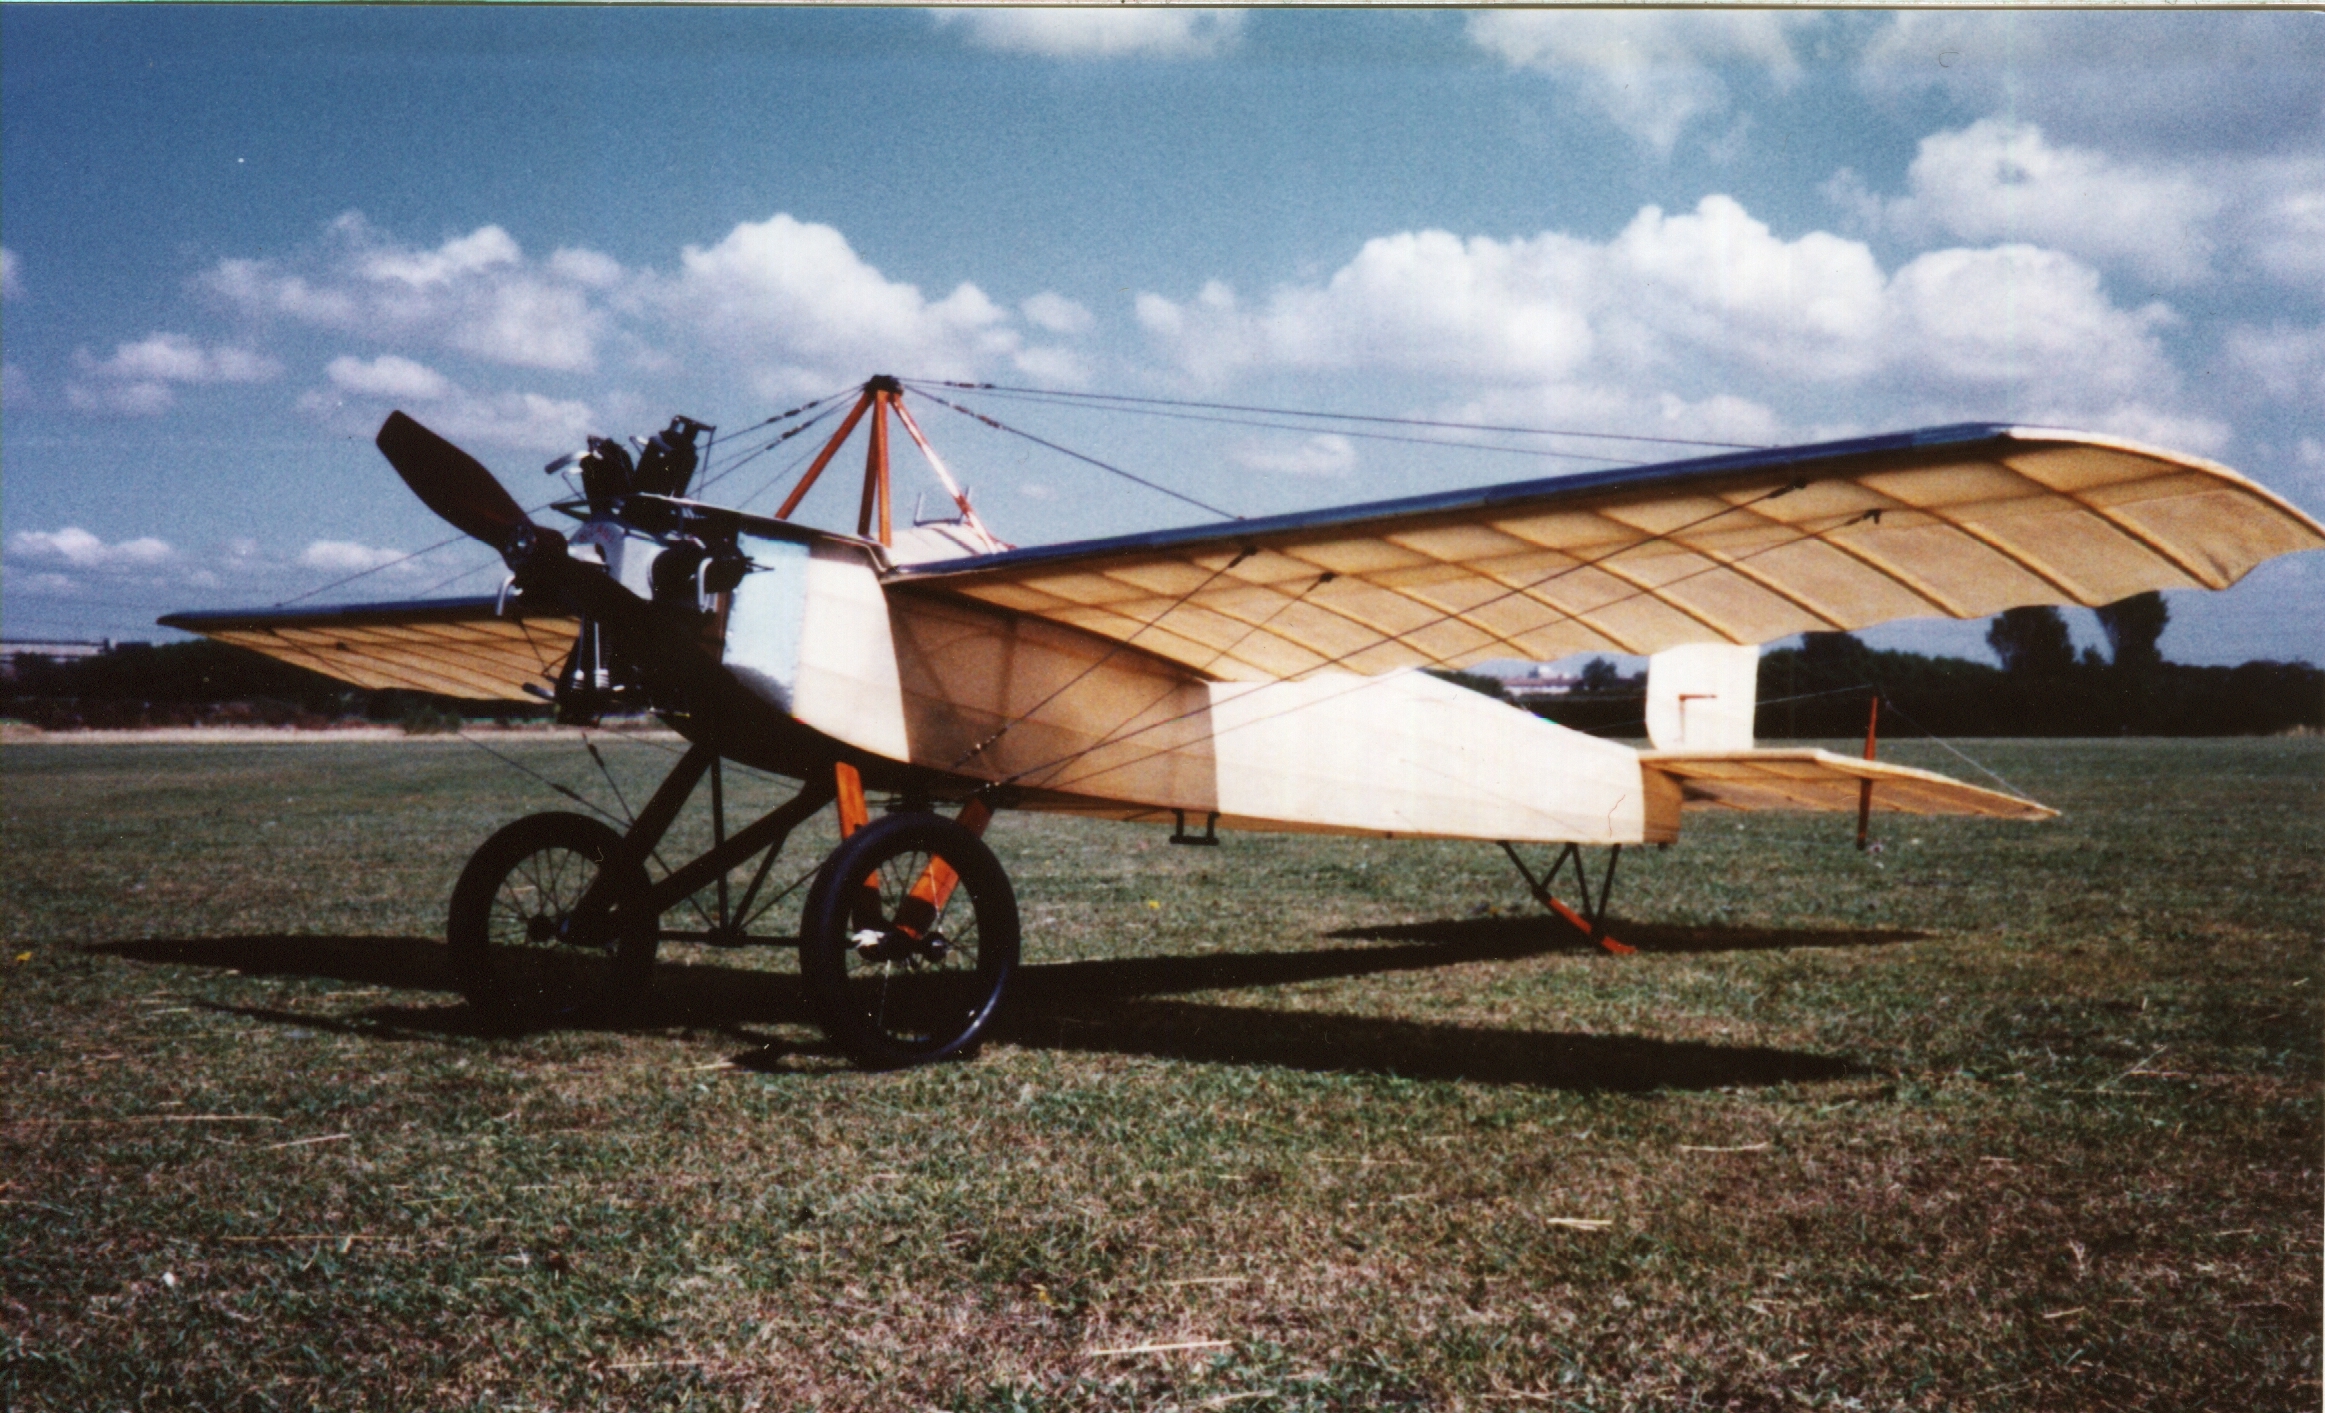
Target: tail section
(1701,696)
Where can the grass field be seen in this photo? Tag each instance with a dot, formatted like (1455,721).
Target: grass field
(2005,1116)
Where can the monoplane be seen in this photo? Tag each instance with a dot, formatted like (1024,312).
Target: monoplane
(1259,674)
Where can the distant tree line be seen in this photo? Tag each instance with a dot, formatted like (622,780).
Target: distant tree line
(2043,687)
(211,683)
(1819,689)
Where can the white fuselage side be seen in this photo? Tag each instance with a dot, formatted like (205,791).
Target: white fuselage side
(1075,722)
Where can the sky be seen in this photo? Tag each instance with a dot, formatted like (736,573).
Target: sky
(237,236)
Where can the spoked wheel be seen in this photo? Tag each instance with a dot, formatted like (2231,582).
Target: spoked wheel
(908,941)
(516,951)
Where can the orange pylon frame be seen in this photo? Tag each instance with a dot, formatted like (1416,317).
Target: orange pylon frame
(873,513)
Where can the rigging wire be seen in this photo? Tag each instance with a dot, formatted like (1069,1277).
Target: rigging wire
(746,458)
(1989,771)
(1100,661)
(612,784)
(1344,432)
(1450,615)
(1273,614)
(547,504)
(367,573)
(1078,456)
(1892,704)
(789,470)
(523,769)
(1354,417)
(530,511)
(456,578)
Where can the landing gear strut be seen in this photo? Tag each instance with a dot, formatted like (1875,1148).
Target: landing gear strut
(1592,919)
(908,940)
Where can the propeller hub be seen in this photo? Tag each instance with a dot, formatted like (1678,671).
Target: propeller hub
(532,551)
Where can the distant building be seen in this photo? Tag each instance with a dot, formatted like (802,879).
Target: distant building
(49,649)
(1537,682)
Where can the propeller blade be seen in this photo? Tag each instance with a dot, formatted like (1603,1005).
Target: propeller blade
(449,481)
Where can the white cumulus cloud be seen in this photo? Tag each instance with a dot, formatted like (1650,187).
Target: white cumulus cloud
(2022,317)
(174,358)
(2155,82)
(1540,309)
(587,267)
(2283,361)
(521,421)
(2002,181)
(1652,71)
(2284,230)
(1099,31)
(795,304)
(477,294)
(390,377)
(1417,301)
(11,277)
(486,248)
(1719,279)
(1058,314)
(75,548)
(138,379)
(518,421)
(1325,454)
(349,557)
(1702,318)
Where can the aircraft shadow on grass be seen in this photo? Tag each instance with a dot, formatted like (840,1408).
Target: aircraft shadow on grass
(1122,1006)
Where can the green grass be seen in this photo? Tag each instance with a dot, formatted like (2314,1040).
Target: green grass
(2013,1116)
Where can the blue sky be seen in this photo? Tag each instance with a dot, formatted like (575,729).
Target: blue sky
(236,236)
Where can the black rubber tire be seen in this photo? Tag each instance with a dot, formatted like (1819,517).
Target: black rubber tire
(511,955)
(893,996)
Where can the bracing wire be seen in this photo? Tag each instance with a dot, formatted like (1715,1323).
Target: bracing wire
(1352,416)
(531,510)
(611,783)
(1114,733)
(1078,456)
(790,469)
(746,458)
(1988,771)
(567,791)
(1538,452)
(1100,661)
(1526,588)
(537,509)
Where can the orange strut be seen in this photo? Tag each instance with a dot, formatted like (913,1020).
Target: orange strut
(853,813)
(1583,926)
(934,888)
(875,473)
(823,458)
(1865,787)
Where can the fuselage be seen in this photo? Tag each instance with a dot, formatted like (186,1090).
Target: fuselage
(948,694)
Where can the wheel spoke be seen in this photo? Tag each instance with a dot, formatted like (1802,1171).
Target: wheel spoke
(512,944)
(898,976)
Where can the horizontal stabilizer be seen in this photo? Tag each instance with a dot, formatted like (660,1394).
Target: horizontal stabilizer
(1821,780)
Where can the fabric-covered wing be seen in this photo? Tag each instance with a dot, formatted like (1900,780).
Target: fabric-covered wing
(1820,780)
(1957,522)
(454,647)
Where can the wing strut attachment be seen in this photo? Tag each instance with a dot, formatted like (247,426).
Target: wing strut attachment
(1592,926)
